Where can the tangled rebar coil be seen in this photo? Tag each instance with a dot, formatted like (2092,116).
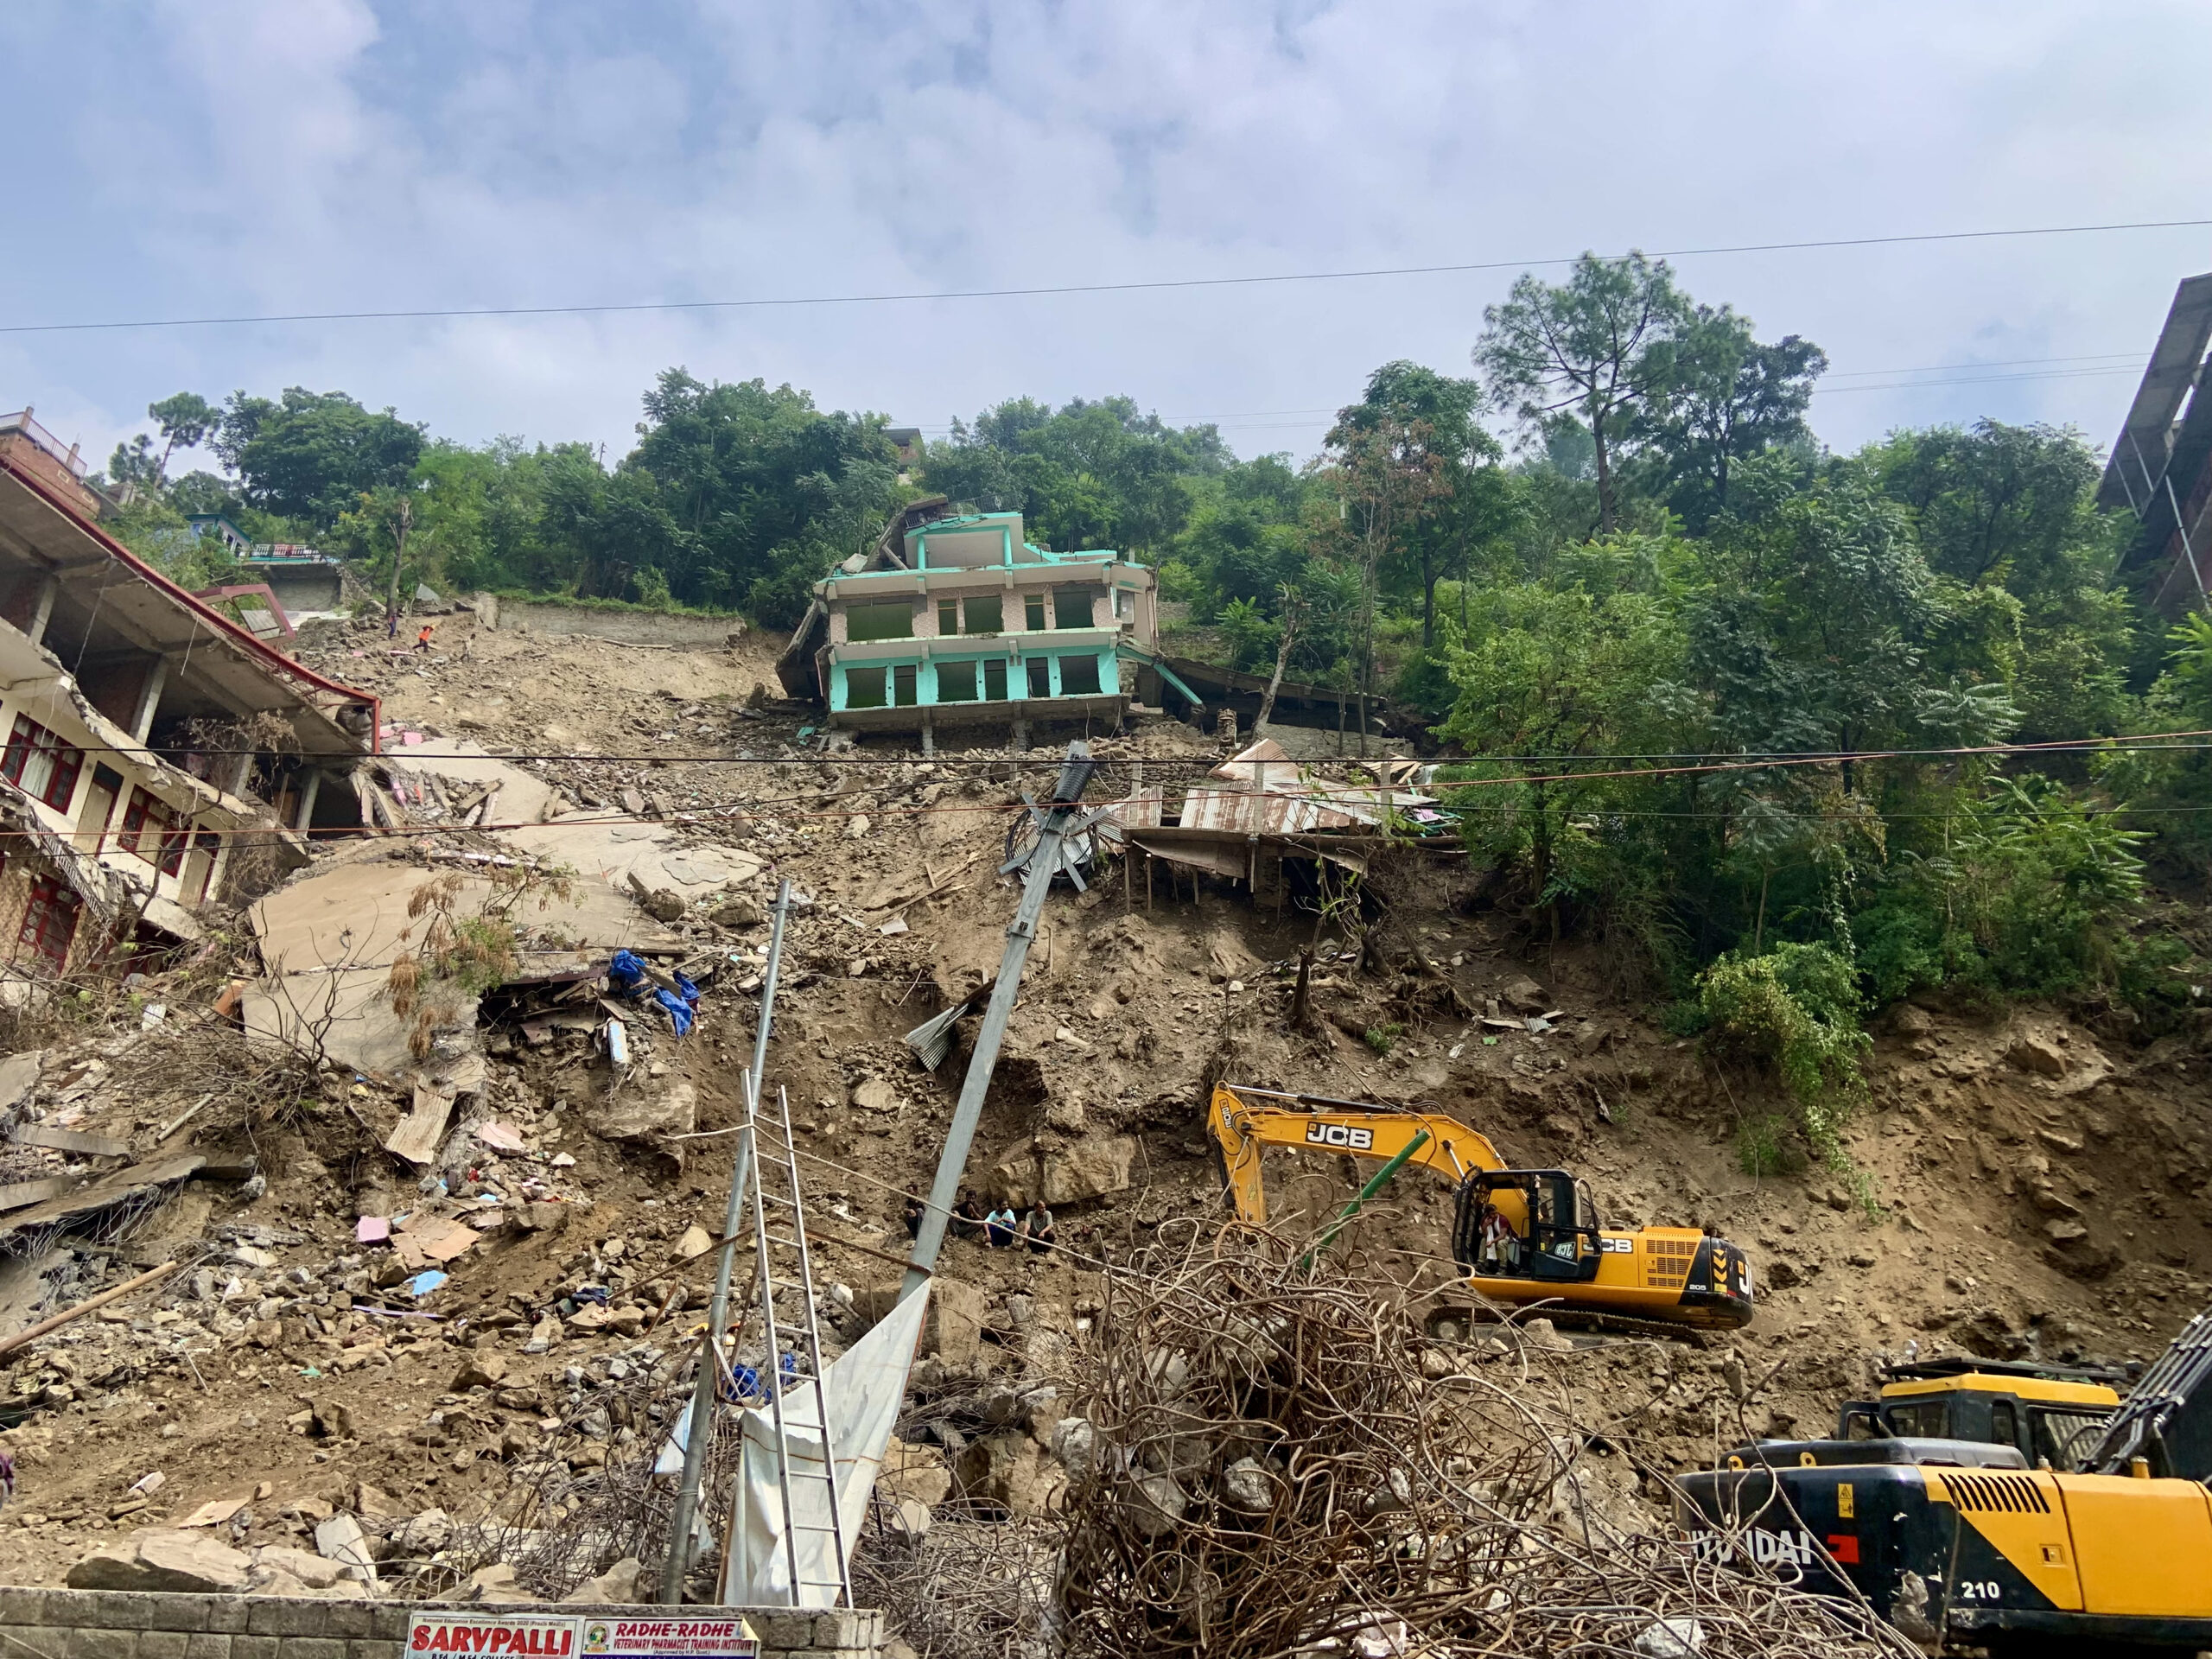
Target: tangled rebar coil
(1282,1464)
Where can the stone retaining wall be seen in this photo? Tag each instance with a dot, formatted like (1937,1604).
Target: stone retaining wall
(37,1624)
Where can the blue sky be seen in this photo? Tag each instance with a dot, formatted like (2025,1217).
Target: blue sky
(191,157)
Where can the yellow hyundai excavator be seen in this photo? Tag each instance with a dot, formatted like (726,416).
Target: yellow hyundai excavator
(1524,1236)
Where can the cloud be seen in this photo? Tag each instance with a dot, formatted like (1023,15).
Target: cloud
(226,157)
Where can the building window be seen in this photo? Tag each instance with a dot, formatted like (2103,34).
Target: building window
(198,866)
(1040,676)
(1125,604)
(986,614)
(891,619)
(903,690)
(864,688)
(948,618)
(995,680)
(1078,676)
(49,922)
(40,763)
(1032,612)
(1072,607)
(956,681)
(153,830)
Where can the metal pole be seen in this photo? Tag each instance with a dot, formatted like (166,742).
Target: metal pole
(1044,864)
(1380,1181)
(704,1395)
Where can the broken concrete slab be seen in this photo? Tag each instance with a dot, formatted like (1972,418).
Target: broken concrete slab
(76,1140)
(328,940)
(139,1184)
(18,1077)
(163,1560)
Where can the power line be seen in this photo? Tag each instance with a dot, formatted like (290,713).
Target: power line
(1162,284)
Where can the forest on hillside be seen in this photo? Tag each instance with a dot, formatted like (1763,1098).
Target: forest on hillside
(1712,691)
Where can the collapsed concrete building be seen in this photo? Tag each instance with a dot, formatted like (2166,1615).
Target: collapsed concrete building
(959,620)
(158,754)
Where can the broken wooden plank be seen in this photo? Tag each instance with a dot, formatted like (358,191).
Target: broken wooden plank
(91,1146)
(423,1129)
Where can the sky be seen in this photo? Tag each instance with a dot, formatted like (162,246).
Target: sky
(193,158)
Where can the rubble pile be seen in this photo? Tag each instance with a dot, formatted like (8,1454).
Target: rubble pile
(1278,1461)
(451,1299)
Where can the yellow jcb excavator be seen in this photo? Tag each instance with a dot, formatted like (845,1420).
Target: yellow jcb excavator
(1524,1236)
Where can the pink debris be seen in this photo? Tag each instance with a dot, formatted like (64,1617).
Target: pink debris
(372,1229)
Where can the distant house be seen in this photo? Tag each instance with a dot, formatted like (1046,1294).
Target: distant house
(2161,465)
(301,581)
(204,525)
(907,440)
(958,620)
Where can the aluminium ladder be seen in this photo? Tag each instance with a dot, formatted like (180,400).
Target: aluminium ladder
(795,1401)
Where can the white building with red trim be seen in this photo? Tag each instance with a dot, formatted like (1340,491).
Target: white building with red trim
(157,756)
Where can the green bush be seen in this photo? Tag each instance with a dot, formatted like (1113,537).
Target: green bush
(1794,1007)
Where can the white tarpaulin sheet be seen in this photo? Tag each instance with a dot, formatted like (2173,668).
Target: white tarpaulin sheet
(864,1387)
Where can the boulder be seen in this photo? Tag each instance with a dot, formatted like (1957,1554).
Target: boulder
(647,1117)
(309,1570)
(914,1473)
(425,1534)
(2039,1055)
(1088,1168)
(873,1095)
(1248,1486)
(1154,1503)
(159,1558)
(1008,1469)
(341,1539)
(618,1585)
(740,912)
(1075,1443)
(541,1215)
(1524,996)
(485,1368)
(495,1583)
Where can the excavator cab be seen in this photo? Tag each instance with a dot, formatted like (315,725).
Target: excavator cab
(1527,1224)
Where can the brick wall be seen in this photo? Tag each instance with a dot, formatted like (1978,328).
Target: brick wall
(37,1624)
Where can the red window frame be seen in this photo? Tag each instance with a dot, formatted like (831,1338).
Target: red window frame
(29,738)
(50,921)
(170,835)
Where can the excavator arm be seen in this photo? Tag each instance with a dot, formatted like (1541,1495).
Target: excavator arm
(1246,1119)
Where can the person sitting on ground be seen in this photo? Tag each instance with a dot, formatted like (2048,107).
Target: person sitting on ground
(968,1216)
(422,639)
(1038,1225)
(999,1225)
(911,1212)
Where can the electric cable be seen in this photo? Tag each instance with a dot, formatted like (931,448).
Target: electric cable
(1154,285)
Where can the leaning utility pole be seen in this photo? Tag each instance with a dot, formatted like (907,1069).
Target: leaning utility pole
(709,1387)
(1046,860)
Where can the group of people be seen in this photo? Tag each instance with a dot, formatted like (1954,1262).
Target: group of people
(1001,1228)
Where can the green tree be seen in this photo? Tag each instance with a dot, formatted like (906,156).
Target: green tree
(186,420)
(1595,349)
(310,455)
(1727,397)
